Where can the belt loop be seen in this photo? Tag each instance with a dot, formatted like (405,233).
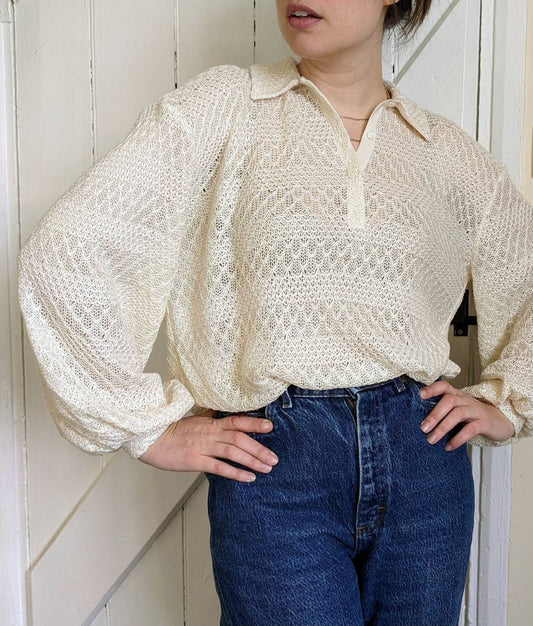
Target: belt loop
(286,400)
(399,382)
(352,393)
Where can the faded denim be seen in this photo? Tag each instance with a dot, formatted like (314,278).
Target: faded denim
(361,522)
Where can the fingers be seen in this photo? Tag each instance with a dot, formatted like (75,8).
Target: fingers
(449,411)
(245,454)
(233,443)
(215,466)
(454,407)
(466,432)
(443,407)
(446,414)
(243,422)
(237,425)
(193,442)
(437,427)
(247,444)
(438,388)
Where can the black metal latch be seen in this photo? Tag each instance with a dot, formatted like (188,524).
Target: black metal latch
(462,320)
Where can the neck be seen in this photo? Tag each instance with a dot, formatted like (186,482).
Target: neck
(354,90)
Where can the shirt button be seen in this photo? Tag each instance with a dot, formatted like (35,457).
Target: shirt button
(371,134)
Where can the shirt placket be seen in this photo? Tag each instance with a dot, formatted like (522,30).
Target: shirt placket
(354,161)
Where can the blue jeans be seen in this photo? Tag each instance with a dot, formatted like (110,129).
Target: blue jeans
(362,521)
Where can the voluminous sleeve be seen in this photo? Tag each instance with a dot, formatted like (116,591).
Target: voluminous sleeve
(94,280)
(502,281)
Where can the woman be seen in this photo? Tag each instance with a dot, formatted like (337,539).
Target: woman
(307,231)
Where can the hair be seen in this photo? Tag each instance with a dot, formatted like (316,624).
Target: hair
(407,15)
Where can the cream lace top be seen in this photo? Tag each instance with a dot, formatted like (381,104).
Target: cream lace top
(237,210)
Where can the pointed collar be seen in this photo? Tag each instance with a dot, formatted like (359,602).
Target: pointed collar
(271,80)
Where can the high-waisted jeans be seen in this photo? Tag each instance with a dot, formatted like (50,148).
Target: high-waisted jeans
(362,521)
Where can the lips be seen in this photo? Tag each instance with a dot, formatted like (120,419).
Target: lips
(301,7)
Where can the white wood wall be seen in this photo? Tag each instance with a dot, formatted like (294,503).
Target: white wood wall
(109,540)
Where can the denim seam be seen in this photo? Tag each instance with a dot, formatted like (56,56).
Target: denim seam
(319,395)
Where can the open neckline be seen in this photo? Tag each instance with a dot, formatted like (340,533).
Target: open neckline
(366,146)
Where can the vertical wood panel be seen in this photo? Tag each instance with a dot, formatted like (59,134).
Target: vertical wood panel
(55,147)
(433,72)
(13,531)
(270,44)
(133,62)
(214,33)
(521,548)
(54,101)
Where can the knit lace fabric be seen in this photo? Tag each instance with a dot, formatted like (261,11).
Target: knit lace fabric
(237,212)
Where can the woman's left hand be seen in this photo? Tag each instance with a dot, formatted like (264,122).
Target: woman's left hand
(480,417)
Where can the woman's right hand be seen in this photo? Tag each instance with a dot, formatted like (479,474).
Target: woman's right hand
(192,443)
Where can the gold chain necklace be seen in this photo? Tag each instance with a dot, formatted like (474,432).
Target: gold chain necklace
(362,119)
(347,117)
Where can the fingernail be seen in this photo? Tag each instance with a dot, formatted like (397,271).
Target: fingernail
(432,438)
(424,426)
(274,458)
(266,424)
(250,478)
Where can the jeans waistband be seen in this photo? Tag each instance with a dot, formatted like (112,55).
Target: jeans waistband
(398,383)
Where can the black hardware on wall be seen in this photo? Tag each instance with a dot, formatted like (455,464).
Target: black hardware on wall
(462,320)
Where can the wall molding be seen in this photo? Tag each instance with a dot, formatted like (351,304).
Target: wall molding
(500,129)
(13,501)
